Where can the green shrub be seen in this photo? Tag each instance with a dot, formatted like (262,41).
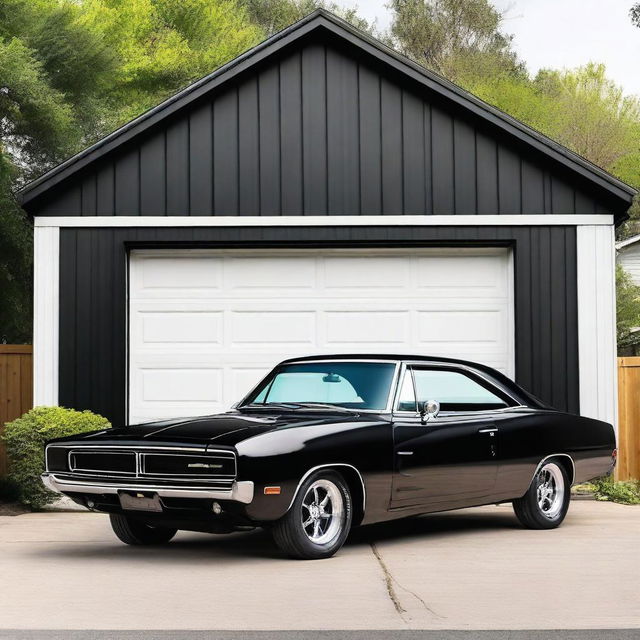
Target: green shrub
(25,438)
(624,492)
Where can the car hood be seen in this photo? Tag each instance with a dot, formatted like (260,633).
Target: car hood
(225,429)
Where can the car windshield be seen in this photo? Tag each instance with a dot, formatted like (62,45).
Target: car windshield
(349,385)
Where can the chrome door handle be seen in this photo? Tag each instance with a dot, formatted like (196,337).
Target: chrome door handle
(491,431)
(405,453)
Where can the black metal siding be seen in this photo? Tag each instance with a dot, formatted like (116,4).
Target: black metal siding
(93,305)
(319,130)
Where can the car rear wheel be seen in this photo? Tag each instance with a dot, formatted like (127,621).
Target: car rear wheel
(318,522)
(132,531)
(546,502)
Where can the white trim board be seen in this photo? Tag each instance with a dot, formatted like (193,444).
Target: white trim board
(324,221)
(46,304)
(597,323)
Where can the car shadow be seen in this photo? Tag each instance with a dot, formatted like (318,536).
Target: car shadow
(190,547)
(452,523)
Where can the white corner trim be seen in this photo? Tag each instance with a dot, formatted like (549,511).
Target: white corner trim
(597,323)
(320,221)
(46,285)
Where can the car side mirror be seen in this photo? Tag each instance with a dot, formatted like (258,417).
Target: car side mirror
(430,409)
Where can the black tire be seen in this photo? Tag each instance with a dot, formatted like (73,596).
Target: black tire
(334,518)
(539,509)
(132,531)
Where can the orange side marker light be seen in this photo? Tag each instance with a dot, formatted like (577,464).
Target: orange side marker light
(272,491)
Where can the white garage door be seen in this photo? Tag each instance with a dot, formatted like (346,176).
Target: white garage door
(206,325)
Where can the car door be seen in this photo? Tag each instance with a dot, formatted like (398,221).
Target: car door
(452,456)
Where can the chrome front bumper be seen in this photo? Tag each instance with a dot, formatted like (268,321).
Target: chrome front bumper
(239,491)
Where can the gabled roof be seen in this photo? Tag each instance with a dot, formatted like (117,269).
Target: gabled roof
(628,242)
(616,191)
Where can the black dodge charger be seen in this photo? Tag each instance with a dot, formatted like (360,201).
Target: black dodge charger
(326,443)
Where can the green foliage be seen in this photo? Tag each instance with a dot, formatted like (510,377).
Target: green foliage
(9,491)
(73,70)
(274,15)
(581,108)
(606,489)
(163,45)
(25,438)
(15,263)
(459,39)
(627,309)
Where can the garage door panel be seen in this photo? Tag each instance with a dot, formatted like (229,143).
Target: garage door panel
(356,272)
(461,327)
(173,384)
(191,273)
(205,326)
(367,326)
(271,326)
(271,273)
(175,328)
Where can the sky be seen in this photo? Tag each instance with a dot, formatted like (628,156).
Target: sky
(560,33)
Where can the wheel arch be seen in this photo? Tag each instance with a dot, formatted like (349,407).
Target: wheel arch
(565,460)
(354,480)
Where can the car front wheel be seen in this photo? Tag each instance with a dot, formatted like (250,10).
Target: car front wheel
(132,531)
(318,522)
(546,502)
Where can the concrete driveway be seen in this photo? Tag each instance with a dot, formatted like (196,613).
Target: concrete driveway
(470,569)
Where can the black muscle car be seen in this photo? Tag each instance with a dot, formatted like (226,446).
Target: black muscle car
(326,443)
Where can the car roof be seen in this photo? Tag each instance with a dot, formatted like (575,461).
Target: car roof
(392,357)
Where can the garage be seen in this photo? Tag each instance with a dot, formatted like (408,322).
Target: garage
(319,194)
(205,326)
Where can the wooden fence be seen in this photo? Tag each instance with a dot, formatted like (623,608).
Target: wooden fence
(16,387)
(628,418)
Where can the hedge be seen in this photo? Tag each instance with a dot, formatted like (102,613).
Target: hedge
(25,438)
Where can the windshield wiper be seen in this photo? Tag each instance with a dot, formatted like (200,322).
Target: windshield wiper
(295,406)
(325,405)
(271,405)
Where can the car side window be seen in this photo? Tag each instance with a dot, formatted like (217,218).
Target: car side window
(407,398)
(456,391)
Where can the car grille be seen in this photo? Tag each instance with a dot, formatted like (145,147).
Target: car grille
(144,465)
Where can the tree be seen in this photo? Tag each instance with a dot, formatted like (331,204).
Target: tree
(164,45)
(583,110)
(634,12)
(627,309)
(71,71)
(274,15)
(455,38)
(50,67)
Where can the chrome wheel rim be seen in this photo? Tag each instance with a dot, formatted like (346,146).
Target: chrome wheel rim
(322,512)
(550,490)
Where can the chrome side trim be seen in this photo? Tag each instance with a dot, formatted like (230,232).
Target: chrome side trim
(324,466)
(555,455)
(240,491)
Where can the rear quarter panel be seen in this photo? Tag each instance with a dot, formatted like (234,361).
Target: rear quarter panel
(527,437)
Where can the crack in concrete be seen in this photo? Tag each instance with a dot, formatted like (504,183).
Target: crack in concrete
(390,580)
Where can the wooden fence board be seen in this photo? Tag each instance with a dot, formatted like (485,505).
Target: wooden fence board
(16,387)
(628,419)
